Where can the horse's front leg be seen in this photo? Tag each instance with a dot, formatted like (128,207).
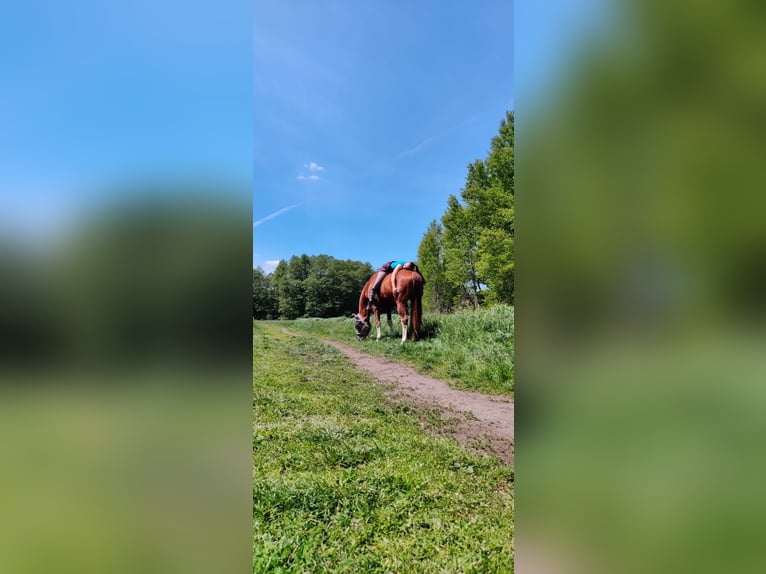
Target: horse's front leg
(391,325)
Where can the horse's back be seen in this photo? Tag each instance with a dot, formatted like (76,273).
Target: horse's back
(413,280)
(409,283)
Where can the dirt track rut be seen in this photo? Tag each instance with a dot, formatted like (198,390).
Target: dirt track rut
(481,422)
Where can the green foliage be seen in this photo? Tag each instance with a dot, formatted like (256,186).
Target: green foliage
(491,198)
(476,249)
(439,294)
(141,281)
(310,286)
(461,246)
(645,267)
(265,303)
(496,264)
(473,350)
(346,481)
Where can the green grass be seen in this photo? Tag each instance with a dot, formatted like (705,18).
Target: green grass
(471,349)
(345,481)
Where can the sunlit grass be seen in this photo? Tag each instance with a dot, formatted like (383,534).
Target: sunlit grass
(345,481)
(472,349)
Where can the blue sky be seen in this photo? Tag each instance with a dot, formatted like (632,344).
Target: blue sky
(99,94)
(366,116)
(354,120)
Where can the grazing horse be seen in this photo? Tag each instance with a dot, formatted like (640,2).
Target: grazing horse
(410,288)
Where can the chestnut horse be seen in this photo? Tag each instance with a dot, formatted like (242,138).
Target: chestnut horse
(410,288)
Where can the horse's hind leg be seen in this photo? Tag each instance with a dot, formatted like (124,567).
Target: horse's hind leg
(401,306)
(377,322)
(391,325)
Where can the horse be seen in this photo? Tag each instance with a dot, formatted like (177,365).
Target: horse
(410,289)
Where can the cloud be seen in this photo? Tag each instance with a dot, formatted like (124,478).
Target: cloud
(275,214)
(436,137)
(421,146)
(312,166)
(270,264)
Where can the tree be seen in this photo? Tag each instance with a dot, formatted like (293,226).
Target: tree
(265,304)
(489,193)
(349,277)
(318,286)
(440,294)
(477,244)
(321,288)
(461,246)
(289,279)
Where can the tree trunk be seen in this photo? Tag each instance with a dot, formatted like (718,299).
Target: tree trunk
(474,283)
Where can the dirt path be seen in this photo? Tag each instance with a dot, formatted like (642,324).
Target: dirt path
(480,422)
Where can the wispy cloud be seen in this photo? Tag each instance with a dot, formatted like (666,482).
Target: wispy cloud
(421,146)
(276,214)
(270,264)
(313,166)
(436,137)
(314,177)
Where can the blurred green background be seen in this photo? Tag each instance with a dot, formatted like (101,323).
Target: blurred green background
(641,290)
(125,394)
(125,279)
(147,280)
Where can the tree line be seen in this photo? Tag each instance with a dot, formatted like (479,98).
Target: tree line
(309,286)
(466,257)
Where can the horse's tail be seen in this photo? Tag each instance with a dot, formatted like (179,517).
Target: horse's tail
(416,310)
(417,269)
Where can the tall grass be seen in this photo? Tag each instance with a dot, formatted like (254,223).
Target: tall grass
(471,349)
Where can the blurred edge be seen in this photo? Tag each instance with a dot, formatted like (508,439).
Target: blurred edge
(125,269)
(641,291)
(144,282)
(125,403)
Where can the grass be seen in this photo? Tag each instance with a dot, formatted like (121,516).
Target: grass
(473,350)
(140,475)
(345,481)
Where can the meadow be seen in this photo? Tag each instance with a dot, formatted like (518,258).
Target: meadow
(346,481)
(473,350)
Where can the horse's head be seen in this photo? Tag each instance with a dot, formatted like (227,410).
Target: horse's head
(362,326)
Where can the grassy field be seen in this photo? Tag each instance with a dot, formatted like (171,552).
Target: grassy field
(471,349)
(344,481)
